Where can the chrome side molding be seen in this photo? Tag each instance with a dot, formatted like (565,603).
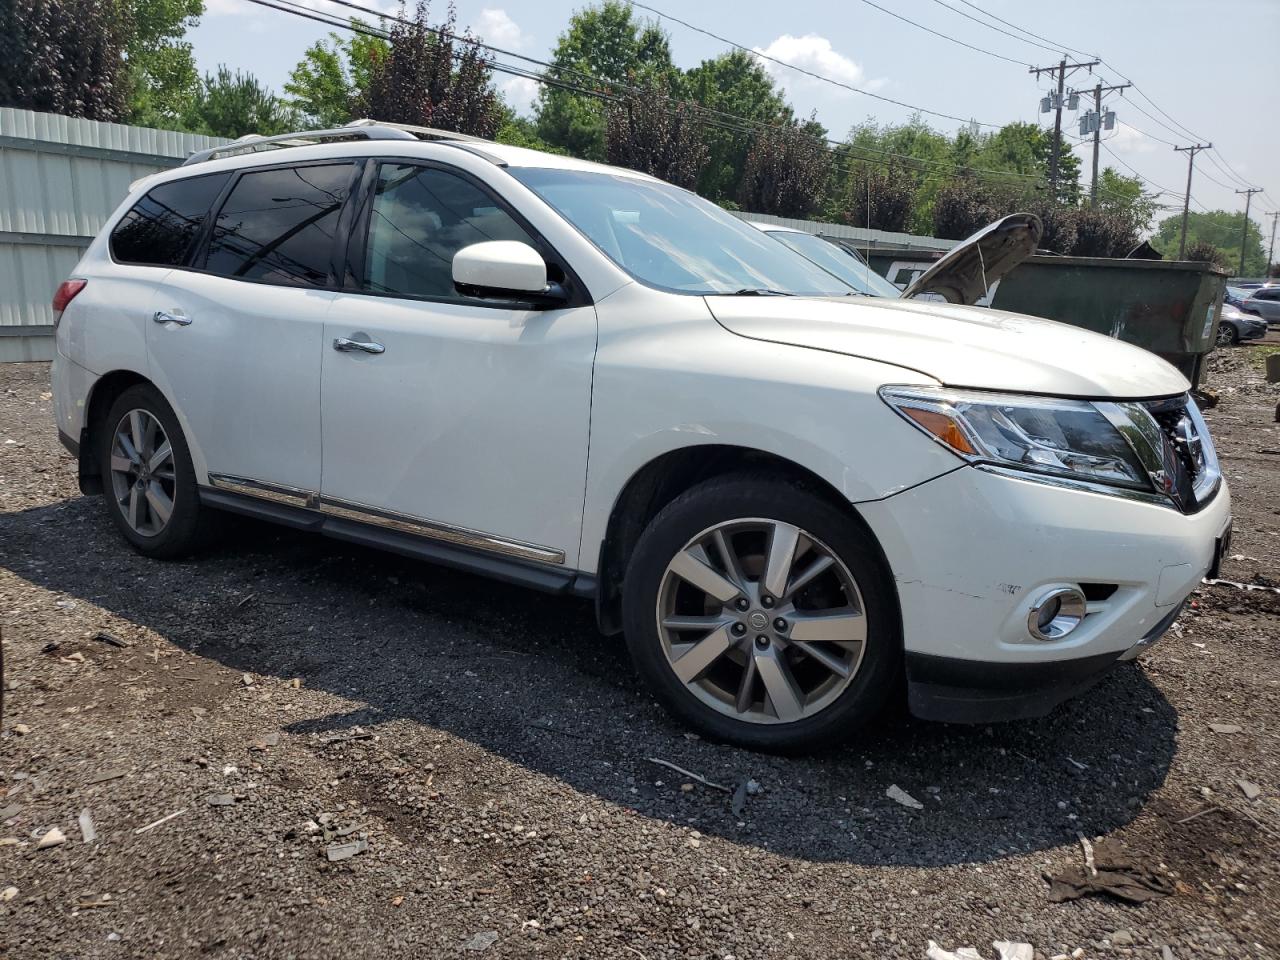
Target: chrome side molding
(361,513)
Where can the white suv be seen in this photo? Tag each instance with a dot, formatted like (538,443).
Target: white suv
(794,499)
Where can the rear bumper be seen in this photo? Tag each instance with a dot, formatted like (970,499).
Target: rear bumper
(950,690)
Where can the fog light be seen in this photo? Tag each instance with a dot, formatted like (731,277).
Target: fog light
(1056,613)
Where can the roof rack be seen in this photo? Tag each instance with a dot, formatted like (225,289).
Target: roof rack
(252,143)
(421,133)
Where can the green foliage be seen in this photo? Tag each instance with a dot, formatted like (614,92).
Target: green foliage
(786,170)
(966,204)
(1104,233)
(1203,251)
(520,131)
(333,75)
(1219,229)
(230,104)
(603,42)
(428,78)
(733,83)
(1125,197)
(649,132)
(65,56)
(162,69)
(877,197)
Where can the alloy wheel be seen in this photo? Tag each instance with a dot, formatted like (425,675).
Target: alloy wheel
(761,621)
(142,473)
(1226,336)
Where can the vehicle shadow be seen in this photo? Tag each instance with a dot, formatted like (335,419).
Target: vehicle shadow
(527,677)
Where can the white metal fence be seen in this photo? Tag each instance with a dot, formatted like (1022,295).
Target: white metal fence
(60,178)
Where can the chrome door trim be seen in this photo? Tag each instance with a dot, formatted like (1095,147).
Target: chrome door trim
(361,513)
(275,492)
(462,536)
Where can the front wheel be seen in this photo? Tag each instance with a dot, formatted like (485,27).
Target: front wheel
(761,615)
(1228,336)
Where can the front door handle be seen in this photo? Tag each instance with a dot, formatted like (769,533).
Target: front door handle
(344,345)
(164,316)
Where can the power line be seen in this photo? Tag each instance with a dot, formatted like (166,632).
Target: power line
(1055,48)
(921,26)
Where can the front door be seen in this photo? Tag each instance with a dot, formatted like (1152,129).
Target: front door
(236,346)
(449,417)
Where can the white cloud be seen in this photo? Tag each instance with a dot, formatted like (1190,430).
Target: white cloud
(520,93)
(815,53)
(495,26)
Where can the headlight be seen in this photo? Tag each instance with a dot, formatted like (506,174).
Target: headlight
(1068,439)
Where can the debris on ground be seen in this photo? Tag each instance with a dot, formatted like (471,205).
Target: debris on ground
(1113,871)
(345,851)
(7,894)
(105,776)
(220,800)
(691,775)
(1226,728)
(87,831)
(103,637)
(1005,950)
(53,837)
(739,801)
(1250,789)
(898,795)
(156,823)
(482,941)
(21,729)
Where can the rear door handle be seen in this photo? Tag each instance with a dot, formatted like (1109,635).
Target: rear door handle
(164,316)
(345,345)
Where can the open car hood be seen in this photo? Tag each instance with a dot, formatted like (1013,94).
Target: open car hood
(966,273)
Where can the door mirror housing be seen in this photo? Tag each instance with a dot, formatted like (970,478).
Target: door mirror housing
(505,270)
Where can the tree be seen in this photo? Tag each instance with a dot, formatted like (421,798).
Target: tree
(429,78)
(232,105)
(1104,233)
(162,70)
(332,76)
(877,196)
(603,50)
(64,56)
(1220,229)
(1126,197)
(733,83)
(966,204)
(1204,252)
(646,131)
(786,170)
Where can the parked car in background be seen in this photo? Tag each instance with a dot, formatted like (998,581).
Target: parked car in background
(1235,325)
(1235,296)
(585,380)
(1263,302)
(842,263)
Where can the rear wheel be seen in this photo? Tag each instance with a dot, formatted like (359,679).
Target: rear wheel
(149,483)
(760,614)
(1228,336)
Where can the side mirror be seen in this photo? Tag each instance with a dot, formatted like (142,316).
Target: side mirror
(505,270)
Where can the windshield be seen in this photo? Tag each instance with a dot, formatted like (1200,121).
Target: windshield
(672,239)
(837,261)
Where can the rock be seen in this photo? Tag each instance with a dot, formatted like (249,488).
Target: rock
(7,894)
(247,679)
(1122,938)
(1250,789)
(53,838)
(482,941)
(345,851)
(21,729)
(753,788)
(220,800)
(296,683)
(1226,728)
(87,830)
(898,795)
(198,711)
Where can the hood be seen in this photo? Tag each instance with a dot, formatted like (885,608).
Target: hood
(958,346)
(966,273)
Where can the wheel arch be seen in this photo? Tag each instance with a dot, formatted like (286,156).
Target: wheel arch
(667,476)
(103,394)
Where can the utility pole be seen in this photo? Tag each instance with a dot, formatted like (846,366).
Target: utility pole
(1244,227)
(1061,70)
(1271,252)
(1098,91)
(1191,152)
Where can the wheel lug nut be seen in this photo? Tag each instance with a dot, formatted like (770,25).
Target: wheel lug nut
(766,601)
(762,642)
(742,603)
(739,629)
(780,625)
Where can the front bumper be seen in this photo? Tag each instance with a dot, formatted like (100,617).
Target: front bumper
(1253,331)
(972,551)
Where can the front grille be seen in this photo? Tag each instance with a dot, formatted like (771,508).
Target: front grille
(1190,465)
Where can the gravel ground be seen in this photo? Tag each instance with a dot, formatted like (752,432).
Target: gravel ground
(284,695)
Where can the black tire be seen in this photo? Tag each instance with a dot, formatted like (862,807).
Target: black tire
(1228,336)
(185,529)
(720,500)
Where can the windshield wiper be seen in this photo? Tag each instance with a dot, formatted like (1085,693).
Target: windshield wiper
(761,292)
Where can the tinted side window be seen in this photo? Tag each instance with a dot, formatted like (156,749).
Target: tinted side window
(161,227)
(421,217)
(277,225)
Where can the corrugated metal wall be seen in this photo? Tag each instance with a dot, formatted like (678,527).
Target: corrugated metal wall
(60,178)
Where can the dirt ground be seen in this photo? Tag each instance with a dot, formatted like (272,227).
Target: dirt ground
(231,722)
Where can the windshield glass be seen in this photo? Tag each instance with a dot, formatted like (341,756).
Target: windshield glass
(670,238)
(837,261)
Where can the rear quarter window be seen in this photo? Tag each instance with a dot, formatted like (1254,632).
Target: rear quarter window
(161,228)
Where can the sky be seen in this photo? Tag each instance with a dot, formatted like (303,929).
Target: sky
(1194,76)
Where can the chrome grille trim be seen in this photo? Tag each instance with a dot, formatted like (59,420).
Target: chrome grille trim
(275,492)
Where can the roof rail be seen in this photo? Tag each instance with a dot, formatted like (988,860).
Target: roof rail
(252,143)
(421,133)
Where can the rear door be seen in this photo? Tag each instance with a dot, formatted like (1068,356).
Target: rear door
(469,423)
(235,343)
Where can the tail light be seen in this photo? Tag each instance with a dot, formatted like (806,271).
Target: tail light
(65,293)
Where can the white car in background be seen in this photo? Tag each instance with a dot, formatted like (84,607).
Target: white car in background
(794,499)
